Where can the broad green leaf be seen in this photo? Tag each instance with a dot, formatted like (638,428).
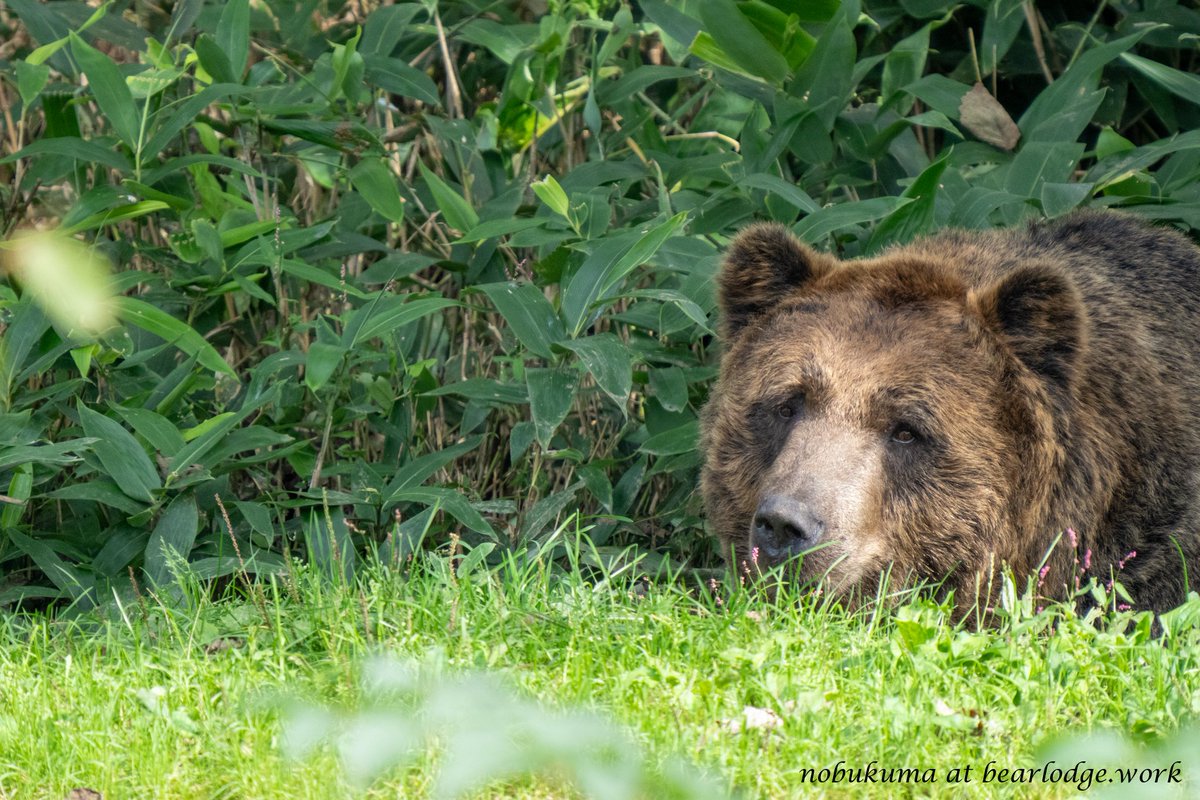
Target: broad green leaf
(1143,157)
(1000,28)
(163,325)
(340,135)
(321,362)
(639,79)
(611,261)
(1062,110)
(1110,143)
(506,42)
(1038,162)
(385,27)
(705,46)
(493,228)
(173,537)
(123,544)
(685,304)
(923,9)
(233,452)
(307,272)
(173,165)
(417,471)
(76,148)
(377,185)
(383,315)
(257,562)
(182,115)
(109,89)
(782,31)
(348,68)
(233,35)
(156,429)
(57,454)
(550,193)
(486,390)
(64,575)
(546,510)
(528,313)
(123,458)
(742,41)
(815,227)
(915,218)
(150,82)
(38,57)
(905,62)
(1059,198)
(119,214)
(212,423)
(31,79)
(609,361)
(669,387)
(475,557)
(395,76)
(19,488)
(974,209)
(200,446)
(82,356)
(1181,84)
(183,16)
(597,482)
(939,93)
(455,210)
(826,79)
(782,189)
(98,491)
(683,439)
(551,392)
(26,326)
(214,59)
(449,501)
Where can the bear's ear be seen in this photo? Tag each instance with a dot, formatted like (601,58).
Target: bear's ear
(764,262)
(1039,313)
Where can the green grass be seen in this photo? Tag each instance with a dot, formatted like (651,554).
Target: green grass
(192,700)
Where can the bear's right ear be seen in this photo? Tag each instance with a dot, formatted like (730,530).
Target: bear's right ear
(1039,313)
(763,264)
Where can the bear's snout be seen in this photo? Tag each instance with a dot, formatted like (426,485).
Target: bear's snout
(784,527)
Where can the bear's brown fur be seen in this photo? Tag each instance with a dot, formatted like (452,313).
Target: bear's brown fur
(959,403)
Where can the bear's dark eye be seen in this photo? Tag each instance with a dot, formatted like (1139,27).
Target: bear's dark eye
(904,434)
(790,407)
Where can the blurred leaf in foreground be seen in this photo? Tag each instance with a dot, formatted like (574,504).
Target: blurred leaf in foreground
(68,279)
(485,733)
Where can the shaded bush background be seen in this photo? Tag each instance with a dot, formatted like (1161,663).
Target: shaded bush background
(441,272)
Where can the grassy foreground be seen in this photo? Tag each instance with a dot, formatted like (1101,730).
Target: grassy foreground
(195,698)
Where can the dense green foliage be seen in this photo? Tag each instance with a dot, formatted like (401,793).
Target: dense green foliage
(436,272)
(193,700)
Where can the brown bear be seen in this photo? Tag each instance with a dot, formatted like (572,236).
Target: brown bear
(962,403)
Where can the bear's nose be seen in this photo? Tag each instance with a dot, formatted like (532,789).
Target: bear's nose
(784,527)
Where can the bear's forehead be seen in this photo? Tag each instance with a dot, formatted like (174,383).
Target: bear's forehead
(935,327)
(858,344)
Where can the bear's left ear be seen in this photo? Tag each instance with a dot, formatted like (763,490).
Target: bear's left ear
(1039,313)
(763,264)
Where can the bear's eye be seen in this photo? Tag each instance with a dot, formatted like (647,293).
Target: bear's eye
(903,434)
(784,411)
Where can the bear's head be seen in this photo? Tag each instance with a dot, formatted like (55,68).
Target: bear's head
(893,415)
